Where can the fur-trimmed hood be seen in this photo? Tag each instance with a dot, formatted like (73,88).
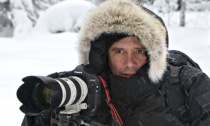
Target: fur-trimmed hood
(124,16)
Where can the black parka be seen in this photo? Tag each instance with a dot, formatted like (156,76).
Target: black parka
(180,99)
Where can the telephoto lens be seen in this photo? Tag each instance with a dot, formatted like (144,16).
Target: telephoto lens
(47,93)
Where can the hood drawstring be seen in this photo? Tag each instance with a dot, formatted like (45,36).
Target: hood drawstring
(114,112)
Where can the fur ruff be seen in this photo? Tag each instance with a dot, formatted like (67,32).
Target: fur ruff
(123,16)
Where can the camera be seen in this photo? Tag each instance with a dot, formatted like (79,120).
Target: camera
(64,93)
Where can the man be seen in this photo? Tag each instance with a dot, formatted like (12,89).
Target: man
(126,44)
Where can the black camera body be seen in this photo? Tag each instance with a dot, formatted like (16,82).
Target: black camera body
(65,93)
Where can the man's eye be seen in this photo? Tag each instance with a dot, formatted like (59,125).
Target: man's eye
(140,51)
(119,51)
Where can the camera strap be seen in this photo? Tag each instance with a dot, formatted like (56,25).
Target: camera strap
(114,112)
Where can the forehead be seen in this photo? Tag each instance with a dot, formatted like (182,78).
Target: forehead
(128,42)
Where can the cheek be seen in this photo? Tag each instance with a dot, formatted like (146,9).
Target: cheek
(115,64)
(141,62)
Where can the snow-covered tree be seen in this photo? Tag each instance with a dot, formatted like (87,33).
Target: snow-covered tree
(21,16)
(97,2)
(64,16)
(6,26)
(32,8)
(142,2)
(26,12)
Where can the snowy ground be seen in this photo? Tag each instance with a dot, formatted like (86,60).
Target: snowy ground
(30,55)
(44,54)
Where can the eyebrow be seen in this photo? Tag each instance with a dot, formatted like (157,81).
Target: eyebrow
(141,48)
(115,48)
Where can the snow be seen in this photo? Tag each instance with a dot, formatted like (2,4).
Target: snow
(64,16)
(31,55)
(195,42)
(3,1)
(193,19)
(17,3)
(196,15)
(203,5)
(21,22)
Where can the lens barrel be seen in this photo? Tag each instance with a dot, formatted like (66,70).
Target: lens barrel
(40,93)
(74,90)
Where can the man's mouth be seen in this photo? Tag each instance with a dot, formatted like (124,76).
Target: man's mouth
(127,75)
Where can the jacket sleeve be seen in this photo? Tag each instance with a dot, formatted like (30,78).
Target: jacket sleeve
(197,86)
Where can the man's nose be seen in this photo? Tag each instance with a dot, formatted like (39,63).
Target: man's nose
(130,61)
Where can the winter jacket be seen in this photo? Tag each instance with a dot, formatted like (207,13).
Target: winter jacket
(170,90)
(177,100)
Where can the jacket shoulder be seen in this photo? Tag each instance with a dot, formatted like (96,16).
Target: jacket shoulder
(178,58)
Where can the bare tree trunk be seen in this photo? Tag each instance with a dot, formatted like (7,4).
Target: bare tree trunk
(168,11)
(179,3)
(182,13)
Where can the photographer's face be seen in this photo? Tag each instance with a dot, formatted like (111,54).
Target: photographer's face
(126,56)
